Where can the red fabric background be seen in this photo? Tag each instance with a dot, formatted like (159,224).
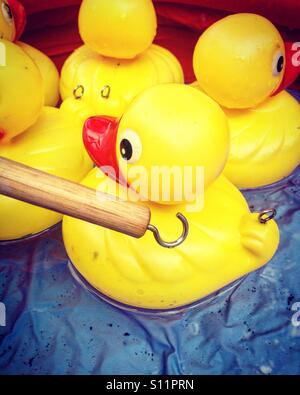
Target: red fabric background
(52,25)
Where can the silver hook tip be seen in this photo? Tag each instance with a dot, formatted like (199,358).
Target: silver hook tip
(172,244)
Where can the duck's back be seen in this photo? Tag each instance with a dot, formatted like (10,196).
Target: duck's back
(265,142)
(111,84)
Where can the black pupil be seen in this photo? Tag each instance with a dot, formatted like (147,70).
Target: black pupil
(8,10)
(280,64)
(126,149)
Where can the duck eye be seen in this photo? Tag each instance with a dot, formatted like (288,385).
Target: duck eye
(278,63)
(130,146)
(126,149)
(7,13)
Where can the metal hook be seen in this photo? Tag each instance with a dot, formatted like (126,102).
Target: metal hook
(175,243)
(267,215)
(105,92)
(78,95)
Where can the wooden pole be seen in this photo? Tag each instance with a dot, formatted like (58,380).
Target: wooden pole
(69,198)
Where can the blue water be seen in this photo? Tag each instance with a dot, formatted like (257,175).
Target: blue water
(55,326)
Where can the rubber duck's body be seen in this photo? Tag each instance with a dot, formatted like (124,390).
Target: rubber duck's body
(117,61)
(42,137)
(181,128)
(12,24)
(248,82)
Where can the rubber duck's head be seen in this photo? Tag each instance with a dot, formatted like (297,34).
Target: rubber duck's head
(117,28)
(12,19)
(241,60)
(21,91)
(171,141)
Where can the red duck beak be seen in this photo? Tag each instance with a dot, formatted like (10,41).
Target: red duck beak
(100,137)
(2,134)
(19,15)
(292,66)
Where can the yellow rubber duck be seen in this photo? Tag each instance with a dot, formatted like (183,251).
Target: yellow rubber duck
(45,138)
(12,24)
(117,60)
(169,126)
(242,62)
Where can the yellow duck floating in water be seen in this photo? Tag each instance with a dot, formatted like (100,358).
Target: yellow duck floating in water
(45,138)
(240,62)
(167,126)
(117,61)
(12,24)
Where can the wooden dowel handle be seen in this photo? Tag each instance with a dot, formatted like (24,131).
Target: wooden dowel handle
(66,197)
